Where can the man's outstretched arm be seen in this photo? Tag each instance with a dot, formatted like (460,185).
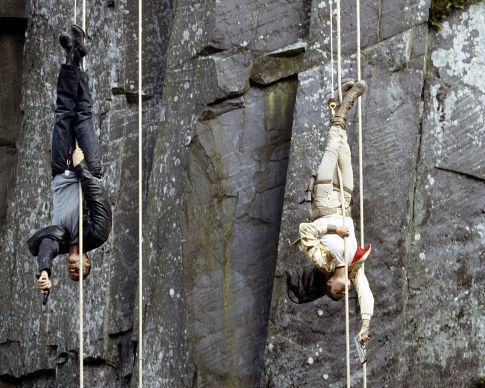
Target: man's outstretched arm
(46,244)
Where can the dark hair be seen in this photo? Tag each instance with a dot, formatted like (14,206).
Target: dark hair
(311,285)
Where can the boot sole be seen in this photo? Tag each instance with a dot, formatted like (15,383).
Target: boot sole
(328,92)
(65,41)
(77,29)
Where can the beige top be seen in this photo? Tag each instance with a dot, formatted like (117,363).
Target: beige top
(328,257)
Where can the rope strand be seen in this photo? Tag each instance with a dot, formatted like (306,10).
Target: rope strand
(361,174)
(339,56)
(140,200)
(342,199)
(331,49)
(80,238)
(347,330)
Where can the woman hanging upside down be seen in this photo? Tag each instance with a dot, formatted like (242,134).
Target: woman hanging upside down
(323,239)
(69,166)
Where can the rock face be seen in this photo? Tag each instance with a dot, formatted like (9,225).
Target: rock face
(423,209)
(39,345)
(228,86)
(12,26)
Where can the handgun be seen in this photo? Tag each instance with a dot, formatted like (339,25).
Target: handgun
(45,297)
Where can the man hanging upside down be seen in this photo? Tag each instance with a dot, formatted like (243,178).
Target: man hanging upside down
(73,120)
(323,239)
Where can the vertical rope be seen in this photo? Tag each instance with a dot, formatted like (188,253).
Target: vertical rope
(84,28)
(342,199)
(140,201)
(331,48)
(339,56)
(80,238)
(81,301)
(361,174)
(347,331)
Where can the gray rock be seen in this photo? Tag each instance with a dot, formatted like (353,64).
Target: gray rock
(39,345)
(261,26)
(295,332)
(278,64)
(13,9)
(443,294)
(427,238)
(217,186)
(225,86)
(236,168)
(228,72)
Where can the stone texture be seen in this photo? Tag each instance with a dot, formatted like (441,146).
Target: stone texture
(317,330)
(13,9)
(220,166)
(233,214)
(444,292)
(260,26)
(12,27)
(424,211)
(278,64)
(228,72)
(226,85)
(39,345)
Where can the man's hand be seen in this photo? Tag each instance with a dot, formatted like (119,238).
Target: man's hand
(44,282)
(77,156)
(365,326)
(342,231)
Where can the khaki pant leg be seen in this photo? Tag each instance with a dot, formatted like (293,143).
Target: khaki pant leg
(327,166)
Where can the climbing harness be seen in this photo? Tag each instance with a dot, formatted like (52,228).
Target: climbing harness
(140,201)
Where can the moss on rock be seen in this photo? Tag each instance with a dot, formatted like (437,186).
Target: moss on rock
(440,9)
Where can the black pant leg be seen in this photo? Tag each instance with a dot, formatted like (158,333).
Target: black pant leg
(84,127)
(62,135)
(98,226)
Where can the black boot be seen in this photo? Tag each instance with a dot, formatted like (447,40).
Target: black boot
(77,35)
(340,118)
(77,50)
(65,41)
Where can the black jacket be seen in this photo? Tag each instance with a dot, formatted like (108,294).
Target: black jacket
(47,243)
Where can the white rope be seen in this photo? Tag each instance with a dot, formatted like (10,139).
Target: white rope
(81,301)
(140,201)
(361,174)
(342,200)
(361,183)
(331,49)
(347,330)
(80,238)
(339,56)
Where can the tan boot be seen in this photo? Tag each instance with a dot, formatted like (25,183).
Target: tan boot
(340,117)
(347,84)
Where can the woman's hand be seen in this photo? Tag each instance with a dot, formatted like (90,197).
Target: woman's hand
(365,327)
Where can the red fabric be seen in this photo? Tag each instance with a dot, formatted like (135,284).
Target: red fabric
(359,253)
